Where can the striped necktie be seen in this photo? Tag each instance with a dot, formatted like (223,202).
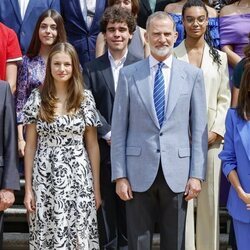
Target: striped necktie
(159,93)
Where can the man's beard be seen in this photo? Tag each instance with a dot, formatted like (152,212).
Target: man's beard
(162,52)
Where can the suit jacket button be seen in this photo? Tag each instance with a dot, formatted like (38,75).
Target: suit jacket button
(158,151)
(161,134)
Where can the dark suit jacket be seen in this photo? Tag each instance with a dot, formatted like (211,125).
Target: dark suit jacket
(98,78)
(9,176)
(79,35)
(145,10)
(11,17)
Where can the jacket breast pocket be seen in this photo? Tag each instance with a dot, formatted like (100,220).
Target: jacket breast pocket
(184,152)
(133,151)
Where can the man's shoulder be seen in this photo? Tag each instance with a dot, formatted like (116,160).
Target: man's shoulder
(131,59)
(99,62)
(132,68)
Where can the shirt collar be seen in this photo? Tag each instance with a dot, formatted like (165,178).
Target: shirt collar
(153,62)
(121,61)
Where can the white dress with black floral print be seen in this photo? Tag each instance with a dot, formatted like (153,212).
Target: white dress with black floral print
(65,216)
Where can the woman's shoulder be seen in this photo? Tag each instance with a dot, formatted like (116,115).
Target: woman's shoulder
(232,10)
(232,115)
(212,13)
(173,8)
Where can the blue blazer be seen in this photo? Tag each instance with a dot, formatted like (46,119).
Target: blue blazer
(79,35)
(10,16)
(236,156)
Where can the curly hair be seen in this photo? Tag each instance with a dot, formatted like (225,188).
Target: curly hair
(212,51)
(115,14)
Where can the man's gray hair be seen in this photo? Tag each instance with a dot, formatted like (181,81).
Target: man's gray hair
(160,15)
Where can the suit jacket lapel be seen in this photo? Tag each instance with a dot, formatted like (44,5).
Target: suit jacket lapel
(130,59)
(98,13)
(205,59)
(107,73)
(143,81)
(244,132)
(146,5)
(181,52)
(16,8)
(175,87)
(79,14)
(29,9)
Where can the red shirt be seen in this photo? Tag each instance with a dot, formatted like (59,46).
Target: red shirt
(9,48)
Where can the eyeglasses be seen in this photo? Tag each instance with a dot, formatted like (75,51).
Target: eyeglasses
(200,20)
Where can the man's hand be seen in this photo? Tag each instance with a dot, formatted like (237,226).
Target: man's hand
(123,189)
(7,199)
(109,142)
(192,189)
(213,137)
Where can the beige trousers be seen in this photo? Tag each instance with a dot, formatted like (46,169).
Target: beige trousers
(207,220)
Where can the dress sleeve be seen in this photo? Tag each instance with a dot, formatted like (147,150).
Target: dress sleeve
(31,108)
(22,87)
(89,109)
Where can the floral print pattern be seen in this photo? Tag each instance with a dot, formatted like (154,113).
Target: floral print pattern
(30,75)
(65,216)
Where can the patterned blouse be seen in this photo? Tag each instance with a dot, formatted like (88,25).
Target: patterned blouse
(31,74)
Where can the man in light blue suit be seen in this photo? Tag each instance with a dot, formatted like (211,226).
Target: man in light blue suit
(159,139)
(22,15)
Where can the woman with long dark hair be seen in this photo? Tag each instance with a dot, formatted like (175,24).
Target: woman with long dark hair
(31,73)
(198,50)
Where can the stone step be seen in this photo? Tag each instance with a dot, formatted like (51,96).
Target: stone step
(15,241)
(19,195)
(15,219)
(17,213)
(223,241)
(19,241)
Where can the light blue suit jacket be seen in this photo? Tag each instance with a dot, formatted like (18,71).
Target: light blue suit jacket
(138,142)
(11,17)
(236,156)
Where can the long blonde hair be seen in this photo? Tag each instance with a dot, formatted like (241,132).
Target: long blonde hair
(74,89)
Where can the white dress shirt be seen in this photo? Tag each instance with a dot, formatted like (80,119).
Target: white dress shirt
(88,10)
(23,4)
(115,67)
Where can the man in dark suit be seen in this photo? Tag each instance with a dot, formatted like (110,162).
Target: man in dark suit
(147,7)
(101,76)
(9,177)
(21,16)
(82,24)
